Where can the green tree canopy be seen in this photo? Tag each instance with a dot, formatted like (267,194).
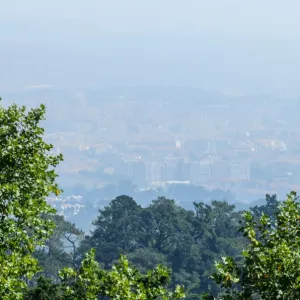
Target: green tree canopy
(271,266)
(27,177)
(116,230)
(90,282)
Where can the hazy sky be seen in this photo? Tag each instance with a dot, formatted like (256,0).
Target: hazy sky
(214,44)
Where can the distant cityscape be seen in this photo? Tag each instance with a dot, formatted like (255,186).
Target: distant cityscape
(154,138)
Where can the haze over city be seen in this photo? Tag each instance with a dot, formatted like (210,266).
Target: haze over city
(194,95)
(229,46)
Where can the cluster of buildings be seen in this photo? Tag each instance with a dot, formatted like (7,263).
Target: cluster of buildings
(67,206)
(207,169)
(246,145)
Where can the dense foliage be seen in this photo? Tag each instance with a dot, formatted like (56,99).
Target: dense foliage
(26,177)
(89,282)
(186,241)
(271,268)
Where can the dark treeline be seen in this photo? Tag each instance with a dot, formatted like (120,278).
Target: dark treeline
(188,242)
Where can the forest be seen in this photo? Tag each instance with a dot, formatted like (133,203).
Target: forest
(161,251)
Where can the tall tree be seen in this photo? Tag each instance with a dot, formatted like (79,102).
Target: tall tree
(171,230)
(61,249)
(216,234)
(271,208)
(271,268)
(27,177)
(116,230)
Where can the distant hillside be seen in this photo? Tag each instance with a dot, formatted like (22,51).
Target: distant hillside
(246,206)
